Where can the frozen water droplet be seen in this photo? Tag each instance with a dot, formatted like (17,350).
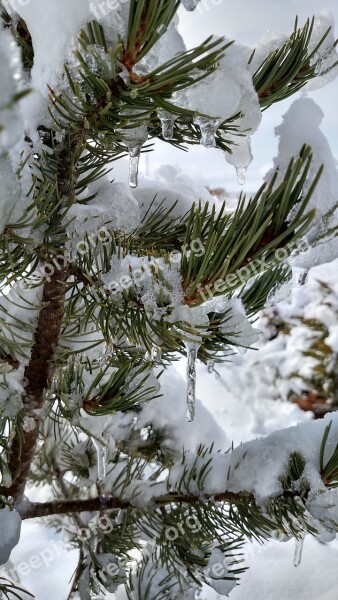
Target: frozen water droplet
(101,454)
(298,552)
(167,122)
(241,172)
(208,129)
(299,276)
(161,29)
(134,161)
(192,349)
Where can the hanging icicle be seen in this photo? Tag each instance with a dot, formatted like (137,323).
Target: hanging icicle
(211,366)
(101,454)
(107,353)
(208,129)
(298,552)
(156,353)
(241,173)
(192,349)
(299,276)
(241,155)
(167,122)
(134,139)
(134,154)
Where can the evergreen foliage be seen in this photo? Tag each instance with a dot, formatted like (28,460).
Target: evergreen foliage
(47,430)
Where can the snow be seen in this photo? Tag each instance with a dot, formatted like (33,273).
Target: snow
(293,133)
(113,207)
(167,415)
(225,92)
(218,571)
(10,526)
(237,325)
(10,191)
(54,26)
(326,56)
(172,189)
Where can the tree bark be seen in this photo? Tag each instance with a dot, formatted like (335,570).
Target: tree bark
(38,374)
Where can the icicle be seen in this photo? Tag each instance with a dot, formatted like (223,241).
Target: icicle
(208,129)
(134,154)
(134,139)
(192,349)
(106,354)
(156,353)
(167,122)
(299,276)
(241,172)
(298,552)
(101,452)
(211,365)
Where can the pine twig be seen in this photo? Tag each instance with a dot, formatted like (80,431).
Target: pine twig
(44,509)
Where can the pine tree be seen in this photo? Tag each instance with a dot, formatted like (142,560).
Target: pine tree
(97,303)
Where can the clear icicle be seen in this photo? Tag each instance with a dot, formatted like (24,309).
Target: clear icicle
(134,162)
(298,552)
(211,365)
(101,453)
(299,276)
(208,129)
(192,349)
(241,173)
(106,354)
(156,353)
(167,122)
(134,139)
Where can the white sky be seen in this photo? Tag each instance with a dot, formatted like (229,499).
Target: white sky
(246,21)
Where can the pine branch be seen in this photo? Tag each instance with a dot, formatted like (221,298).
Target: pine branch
(67,507)
(289,68)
